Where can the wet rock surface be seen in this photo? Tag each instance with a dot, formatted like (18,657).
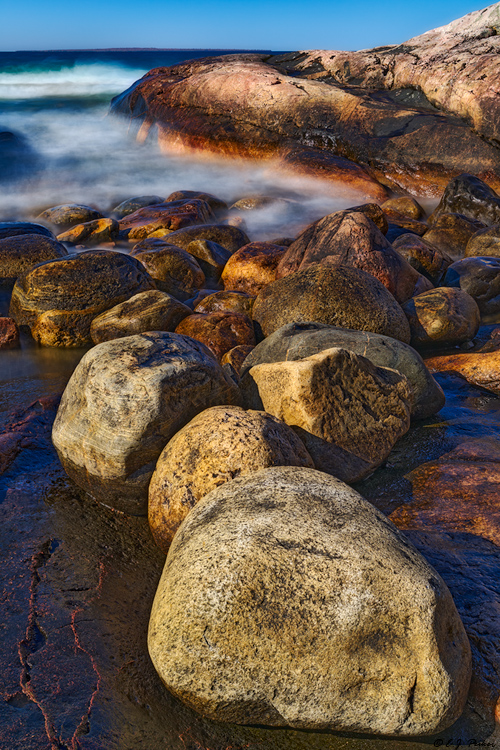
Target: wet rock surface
(442,317)
(219,331)
(20,253)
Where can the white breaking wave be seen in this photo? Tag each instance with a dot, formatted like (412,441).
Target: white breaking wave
(93,79)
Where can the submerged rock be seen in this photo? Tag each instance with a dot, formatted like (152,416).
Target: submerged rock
(299,340)
(218,445)
(284,592)
(124,402)
(343,297)
(348,412)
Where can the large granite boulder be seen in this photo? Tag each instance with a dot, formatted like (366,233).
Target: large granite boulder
(147,311)
(124,402)
(21,252)
(299,340)
(352,239)
(479,277)
(344,297)
(348,412)
(287,599)
(218,445)
(58,299)
(442,317)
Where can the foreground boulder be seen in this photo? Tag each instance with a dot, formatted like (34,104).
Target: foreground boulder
(299,340)
(284,592)
(124,402)
(349,238)
(59,299)
(20,253)
(218,445)
(442,317)
(147,311)
(343,297)
(348,412)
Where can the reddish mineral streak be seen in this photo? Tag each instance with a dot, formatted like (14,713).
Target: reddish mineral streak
(29,646)
(78,645)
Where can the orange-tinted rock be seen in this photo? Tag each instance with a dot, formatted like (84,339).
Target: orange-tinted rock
(424,257)
(252,267)
(239,302)
(9,334)
(249,106)
(174,270)
(403,206)
(231,238)
(484,242)
(219,331)
(168,216)
(351,239)
(211,257)
(450,233)
(236,356)
(91,233)
(458,493)
(20,253)
(443,316)
(478,368)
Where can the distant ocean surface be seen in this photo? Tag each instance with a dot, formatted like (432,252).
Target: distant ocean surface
(58,144)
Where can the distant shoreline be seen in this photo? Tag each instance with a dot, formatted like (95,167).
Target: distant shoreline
(137,49)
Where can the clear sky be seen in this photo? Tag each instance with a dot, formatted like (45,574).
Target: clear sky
(223,24)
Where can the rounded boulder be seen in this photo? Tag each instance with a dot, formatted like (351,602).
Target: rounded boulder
(218,445)
(126,399)
(288,600)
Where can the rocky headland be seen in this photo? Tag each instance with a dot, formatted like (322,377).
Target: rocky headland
(407,117)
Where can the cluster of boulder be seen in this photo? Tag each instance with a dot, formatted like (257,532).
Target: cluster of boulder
(233,391)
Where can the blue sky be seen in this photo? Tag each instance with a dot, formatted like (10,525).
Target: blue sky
(243,24)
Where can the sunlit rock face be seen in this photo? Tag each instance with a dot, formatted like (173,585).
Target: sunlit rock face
(402,113)
(287,599)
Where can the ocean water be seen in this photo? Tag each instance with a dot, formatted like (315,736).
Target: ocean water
(59,144)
